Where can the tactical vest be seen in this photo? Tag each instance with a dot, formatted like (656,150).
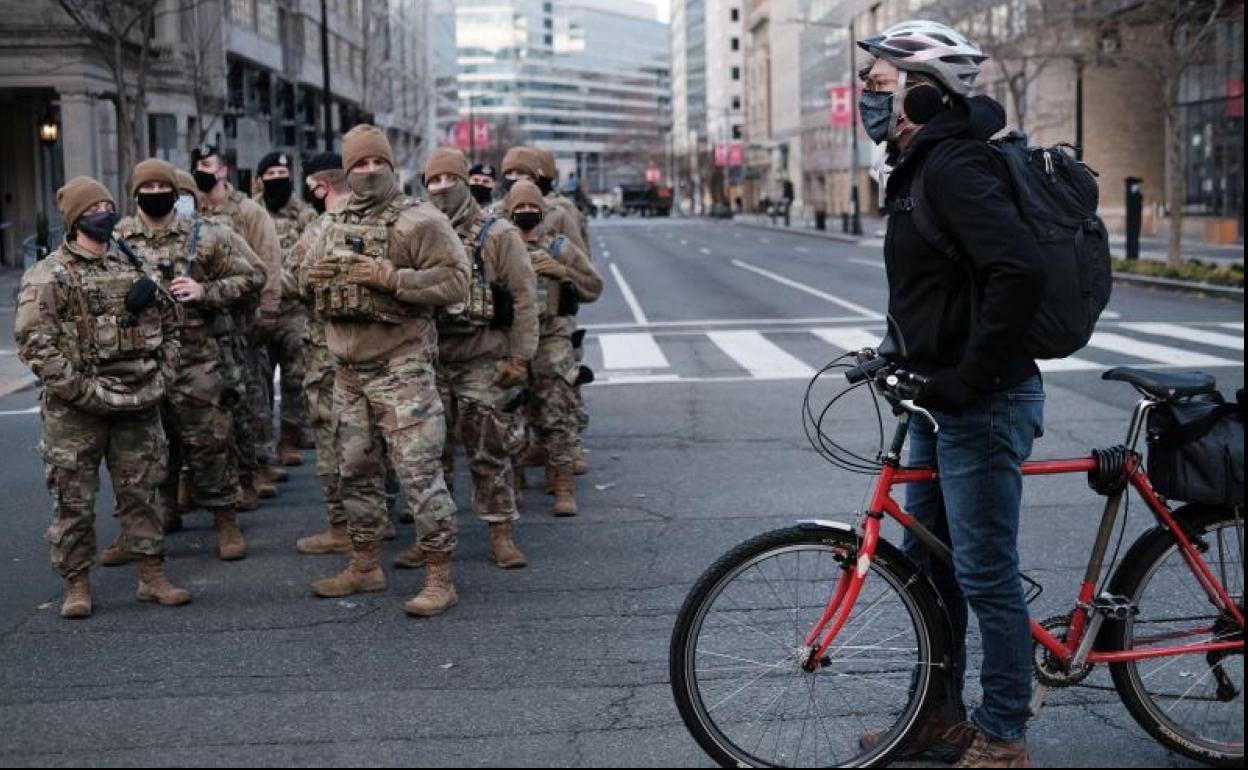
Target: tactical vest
(478,311)
(119,351)
(347,237)
(547,288)
(172,254)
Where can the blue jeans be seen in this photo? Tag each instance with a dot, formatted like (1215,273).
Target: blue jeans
(974,507)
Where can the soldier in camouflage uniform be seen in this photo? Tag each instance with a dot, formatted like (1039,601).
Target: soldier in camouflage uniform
(205,268)
(566,278)
(484,352)
(385,264)
(286,345)
(245,351)
(104,342)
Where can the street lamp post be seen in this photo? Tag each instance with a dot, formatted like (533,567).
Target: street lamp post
(854,200)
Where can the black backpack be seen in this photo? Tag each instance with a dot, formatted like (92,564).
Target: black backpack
(1057,196)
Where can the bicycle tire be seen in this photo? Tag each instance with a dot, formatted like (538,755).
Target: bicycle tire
(1143,561)
(921,601)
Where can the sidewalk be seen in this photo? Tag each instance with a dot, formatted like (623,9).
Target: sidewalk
(14,376)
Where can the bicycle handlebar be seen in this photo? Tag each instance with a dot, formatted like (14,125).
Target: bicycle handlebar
(899,386)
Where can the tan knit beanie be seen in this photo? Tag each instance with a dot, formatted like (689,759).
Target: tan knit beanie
(446,160)
(186,182)
(365,141)
(522,159)
(547,167)
(523,192)
(78,195)
(153,170)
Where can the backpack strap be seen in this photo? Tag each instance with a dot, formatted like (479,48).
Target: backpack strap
(921,214)
(478,251)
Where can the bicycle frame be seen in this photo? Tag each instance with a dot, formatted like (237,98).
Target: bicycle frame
(1076,650)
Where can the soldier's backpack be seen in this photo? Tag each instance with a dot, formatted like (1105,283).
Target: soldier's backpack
(1057,196)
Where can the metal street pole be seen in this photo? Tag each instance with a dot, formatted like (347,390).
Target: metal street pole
(854,199)
(325,93)
(472,130)
(1079,109)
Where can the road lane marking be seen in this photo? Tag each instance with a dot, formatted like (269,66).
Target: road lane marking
(32,410)
(683,242)
(637,379)
(1162,354)
(1070,364)
(802,250)
(848,339)
(705,251)
(631,351)
(868,262)
(639,315)
(725,322)
(606,255)
(759,356)
(1216,339)
(1239,326)
(1111,315)
(850,306)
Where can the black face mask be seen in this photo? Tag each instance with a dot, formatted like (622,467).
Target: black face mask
(876,110)
(508,184)
(545,185)
(157,205)
(527,220)
(204,180)
(98,226)
(277,192)
(482,194)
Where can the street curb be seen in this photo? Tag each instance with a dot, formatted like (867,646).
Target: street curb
(825,236)
(1182,287)
(18,385)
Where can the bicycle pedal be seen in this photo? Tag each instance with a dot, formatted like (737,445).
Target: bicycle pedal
(1114,607)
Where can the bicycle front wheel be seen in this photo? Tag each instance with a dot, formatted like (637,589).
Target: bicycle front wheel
(1194,703)
(739,644)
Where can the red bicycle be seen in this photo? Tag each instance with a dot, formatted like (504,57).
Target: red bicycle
(799,641)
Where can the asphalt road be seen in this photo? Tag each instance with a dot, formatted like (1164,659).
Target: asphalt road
(703,342)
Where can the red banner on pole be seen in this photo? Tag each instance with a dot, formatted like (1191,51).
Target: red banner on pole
(841,105)
(736,154)
(470,133)
(721,154)
(654,175)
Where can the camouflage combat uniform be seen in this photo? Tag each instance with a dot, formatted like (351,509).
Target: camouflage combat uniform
(385,393)
(253,418)
(554,409)
(562,217)
(286,347)
(198,422)
(104,373)
(472,349)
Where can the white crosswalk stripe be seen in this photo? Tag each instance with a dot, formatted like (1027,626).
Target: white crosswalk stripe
(1203,336)
(631,351)
(759,356)
(1162,354)
(674,353)
(1239,326)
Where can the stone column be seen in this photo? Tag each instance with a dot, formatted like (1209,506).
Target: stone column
(80,143)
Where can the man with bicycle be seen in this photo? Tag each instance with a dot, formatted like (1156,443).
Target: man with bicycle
(960,323)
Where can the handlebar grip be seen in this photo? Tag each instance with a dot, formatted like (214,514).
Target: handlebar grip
(864,371)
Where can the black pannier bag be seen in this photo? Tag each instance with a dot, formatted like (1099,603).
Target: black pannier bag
(1196,450)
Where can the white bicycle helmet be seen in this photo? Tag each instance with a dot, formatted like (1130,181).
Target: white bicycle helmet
(931,48)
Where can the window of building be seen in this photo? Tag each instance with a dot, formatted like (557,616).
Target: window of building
(266,19)
(737,132)
(243,12)
(736,73)
(736,14)
(736,102)
(162,135)
(736,44)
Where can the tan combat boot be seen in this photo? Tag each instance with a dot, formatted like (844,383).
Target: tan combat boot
(230,543)
(288,452)
(503,550)
(277,474)
(263,484)
(116,554)
(333,540)
(986,751)
(565,494)
(77,601)
(438,595)
(155,587)
(248,500)
(362,575)
(412,557)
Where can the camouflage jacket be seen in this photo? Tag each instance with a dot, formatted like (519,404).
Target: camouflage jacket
(290,221)
(249,219)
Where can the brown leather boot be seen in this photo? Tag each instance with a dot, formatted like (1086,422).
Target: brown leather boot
(412,557)
(116,554)
(288,452)
(230,543)
(985,751)
(931,741)
(186,500)
(77,602)
(438,595)
(565,494)
(333,540)
(263,484)
(155,587)
(248,500)
(581,466)
(362,575)
(503,550)
(277,474)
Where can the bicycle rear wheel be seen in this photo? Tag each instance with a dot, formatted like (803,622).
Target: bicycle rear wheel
(1194,704)
(738,647)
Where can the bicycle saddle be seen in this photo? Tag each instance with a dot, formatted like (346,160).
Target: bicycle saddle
(1165,386)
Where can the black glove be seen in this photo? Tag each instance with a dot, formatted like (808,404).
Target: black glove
(946,392)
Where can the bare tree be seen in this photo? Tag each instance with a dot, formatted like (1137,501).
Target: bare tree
(1166,37)
(203,29)
(119,32)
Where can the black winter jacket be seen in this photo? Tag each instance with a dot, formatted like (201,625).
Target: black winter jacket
(971,313)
